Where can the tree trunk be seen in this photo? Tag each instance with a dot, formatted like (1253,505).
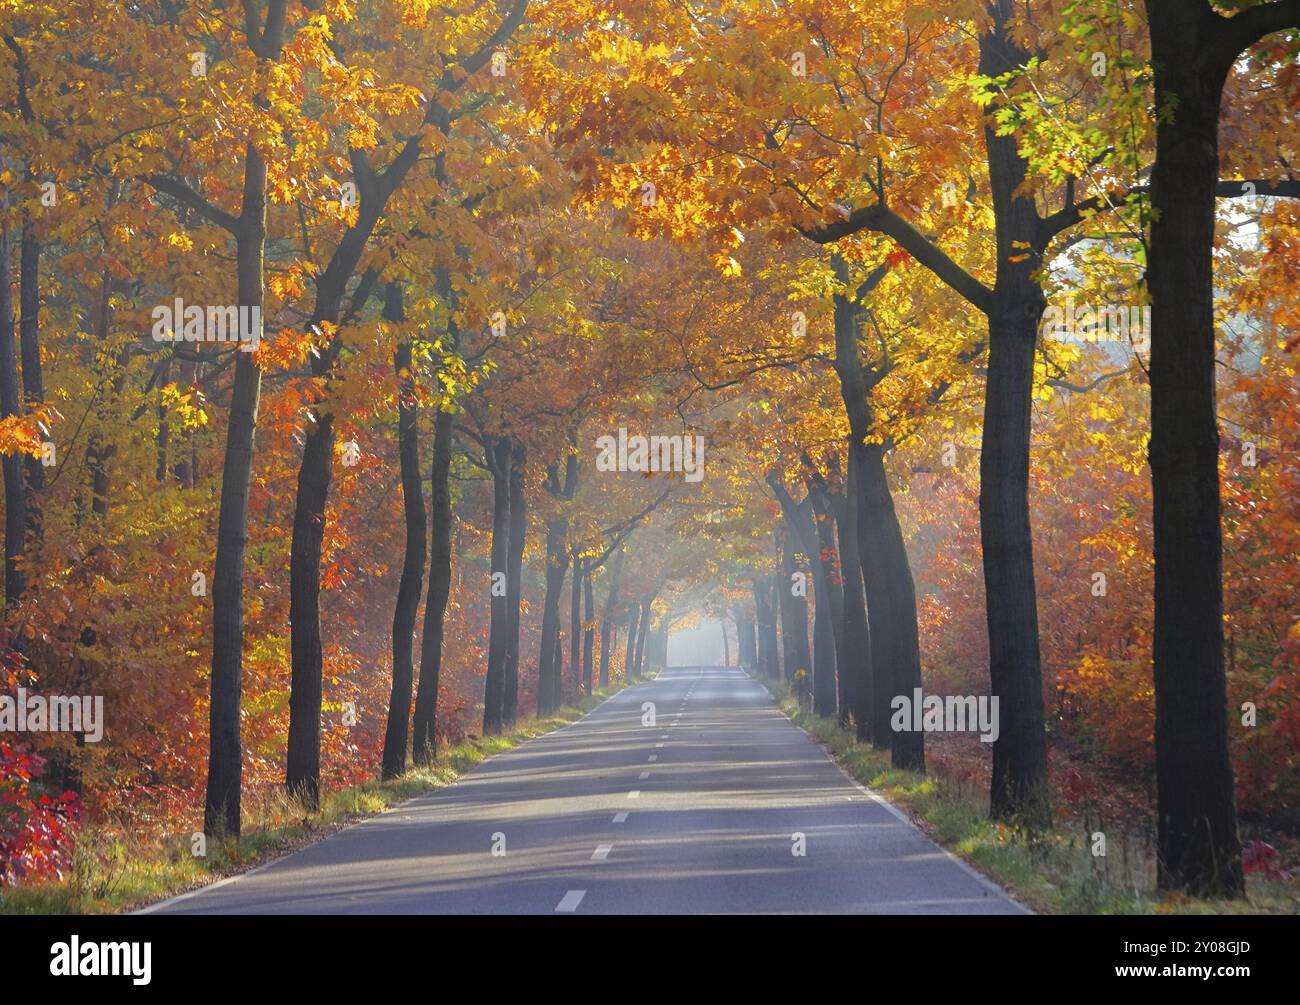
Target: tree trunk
(411,583)
(225,752)
(514,587)
(634,618)
(302,774)
(29,301)
(830,604)
(766,617)
(855,673)
(499,453)
(557,565)
(1019,784)
(575,620)
(424,738)
(607,617)
(11,405)
(642,634)
(795,653)
(1199,850)
(588,632)
(891,607)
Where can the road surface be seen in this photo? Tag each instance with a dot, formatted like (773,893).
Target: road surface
(705,811)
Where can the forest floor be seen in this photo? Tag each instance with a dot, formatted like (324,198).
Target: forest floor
(116,872)
(1054,872)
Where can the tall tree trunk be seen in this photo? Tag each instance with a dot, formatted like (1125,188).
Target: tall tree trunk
(575,619)
(726,643)
(302,774)
(795,654)
(642,634)
(588,631)
(891,607)
(29,300)
(411,584)
(766,617)
(225,755)
(11,405)
(1193,50)
(514,588)
(634,617)
(424,734)
(830,603)
(607,617)
(499,451)
(855,672)
(557,565)
(1019,784)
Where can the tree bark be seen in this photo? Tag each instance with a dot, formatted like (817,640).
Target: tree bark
(499,451)
(607,617)
(1019,784)
(11,405)
(1193,50)
(557,566)
(514,588)
(424,738)
(225,755)
(588,632)
(29,301)
(830,603)
(856,672)
(642,634)
(575,620)
(629,657)
(411,584)
(795,653)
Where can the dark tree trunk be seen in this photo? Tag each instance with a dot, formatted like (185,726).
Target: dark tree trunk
(744,642)
(855,672)
(1193,50)
(634,617)
(891,607)
(11,405)
(29,337)
(1019,784)
(424,731)
(411,584)
(575,620)
(514,588)
(557,565)
(642,634)
(302,774)
(766,618)
(588,632)
(795,654)
(726,643)
(830,603)
(499,453)
(607,627)
(225,754)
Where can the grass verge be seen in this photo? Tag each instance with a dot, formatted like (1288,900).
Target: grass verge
(1055,872)
(109,876)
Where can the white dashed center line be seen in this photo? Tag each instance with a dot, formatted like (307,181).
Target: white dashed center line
(570,901)
(634,794)
(602,852)
(621,817)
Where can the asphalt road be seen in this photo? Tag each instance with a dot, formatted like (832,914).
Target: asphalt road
(702,812)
